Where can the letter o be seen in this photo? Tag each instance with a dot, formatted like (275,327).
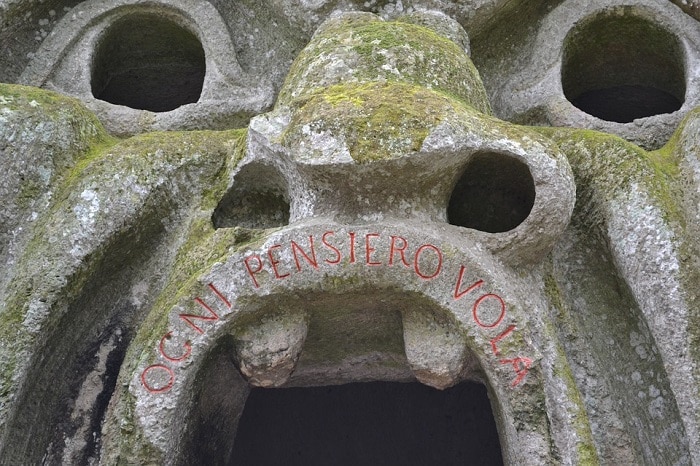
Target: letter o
(478,302)
(416,267)
(166,387)
(161,347)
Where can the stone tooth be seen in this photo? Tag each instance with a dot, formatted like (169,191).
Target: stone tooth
(267,351)
(435,349)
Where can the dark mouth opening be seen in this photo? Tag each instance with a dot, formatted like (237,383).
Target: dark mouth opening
(368,424)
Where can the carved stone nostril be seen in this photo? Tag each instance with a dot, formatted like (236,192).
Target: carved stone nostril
(257,199)
(495,194)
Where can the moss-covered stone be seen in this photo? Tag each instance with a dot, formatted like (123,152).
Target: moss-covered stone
(678,160)
(605,166)
(585,446)
(375,90)
(632,209)
(202,246)
(43,136)
(141,186)
(376,121)
(364,48)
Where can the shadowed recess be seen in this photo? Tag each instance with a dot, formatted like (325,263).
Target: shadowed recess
(619,67)
(147,62)
(257,199)
(495,194)
(368,424)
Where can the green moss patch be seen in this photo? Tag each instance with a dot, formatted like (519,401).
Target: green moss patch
(670,159)
(376,121)
(585,446)
(47,135)
(361,51)
(142,183)
(606,166)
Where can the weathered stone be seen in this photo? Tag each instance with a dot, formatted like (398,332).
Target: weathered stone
(374,50)
(435,350)
(267,351)
(62,298)
(378,223)
(643,53)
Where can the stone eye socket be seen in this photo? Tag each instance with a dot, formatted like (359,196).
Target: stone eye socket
(494,194)
(147,62)
(620,67)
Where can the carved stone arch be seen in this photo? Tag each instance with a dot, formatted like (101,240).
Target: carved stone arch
(461,317)
(219,390)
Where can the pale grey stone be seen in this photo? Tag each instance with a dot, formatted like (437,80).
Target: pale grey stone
(368,207)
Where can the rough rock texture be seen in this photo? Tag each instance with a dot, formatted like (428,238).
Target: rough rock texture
(579,47)
(316,193)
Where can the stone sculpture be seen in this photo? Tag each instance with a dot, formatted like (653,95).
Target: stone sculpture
(197,196)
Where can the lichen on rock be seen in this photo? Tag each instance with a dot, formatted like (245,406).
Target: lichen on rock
(153,281)
(362,48)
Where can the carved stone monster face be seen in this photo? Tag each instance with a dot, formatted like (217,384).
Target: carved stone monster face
(381,132)
(379,223)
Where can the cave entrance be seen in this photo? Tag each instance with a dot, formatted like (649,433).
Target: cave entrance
(368,424)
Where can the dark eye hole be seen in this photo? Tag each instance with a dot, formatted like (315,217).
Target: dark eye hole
(147,62)
(622,67)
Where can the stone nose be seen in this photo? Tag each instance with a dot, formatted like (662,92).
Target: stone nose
(386,120)
(454,164)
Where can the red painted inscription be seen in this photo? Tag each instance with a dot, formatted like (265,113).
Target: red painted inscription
(489,310)
(159,378)
(521,365)
(426,260)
